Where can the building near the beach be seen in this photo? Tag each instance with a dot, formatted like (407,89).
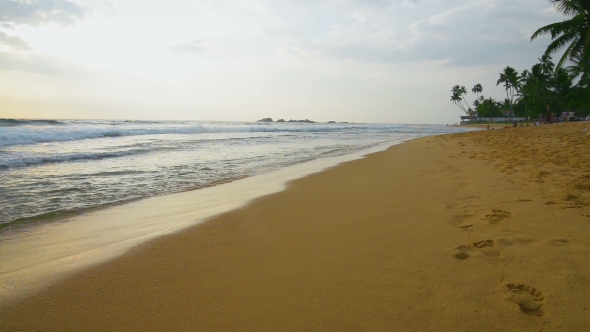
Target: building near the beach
(470,119)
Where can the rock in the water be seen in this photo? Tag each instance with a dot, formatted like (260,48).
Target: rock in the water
(304,121)
(265,120)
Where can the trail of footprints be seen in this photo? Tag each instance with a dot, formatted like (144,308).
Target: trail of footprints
(529,299)
(464,220)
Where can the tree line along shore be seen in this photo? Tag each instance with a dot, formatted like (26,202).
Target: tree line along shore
(548,91)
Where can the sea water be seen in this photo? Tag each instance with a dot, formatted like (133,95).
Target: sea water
(53,168)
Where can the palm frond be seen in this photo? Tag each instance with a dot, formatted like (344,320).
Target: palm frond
(578,49)
(553,29)
(566,54)
(560,42)
(568,7)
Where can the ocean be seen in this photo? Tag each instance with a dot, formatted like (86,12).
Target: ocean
(55,168)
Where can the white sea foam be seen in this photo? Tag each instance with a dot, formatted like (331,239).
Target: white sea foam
(50,167)
(27,159)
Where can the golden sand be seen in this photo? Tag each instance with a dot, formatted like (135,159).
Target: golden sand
(485,231)
(42,254)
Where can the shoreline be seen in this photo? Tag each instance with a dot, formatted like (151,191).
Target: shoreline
(117,178)
(80,241)
(438,232)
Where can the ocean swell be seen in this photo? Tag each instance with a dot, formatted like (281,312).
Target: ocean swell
(22,135)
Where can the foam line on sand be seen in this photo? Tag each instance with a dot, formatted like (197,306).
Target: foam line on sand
(38,256)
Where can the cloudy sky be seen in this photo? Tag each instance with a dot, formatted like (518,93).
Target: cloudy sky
(387,61)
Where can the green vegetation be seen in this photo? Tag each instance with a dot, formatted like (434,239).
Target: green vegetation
(546,87)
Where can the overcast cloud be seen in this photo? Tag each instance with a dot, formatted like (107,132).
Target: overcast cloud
(368,61)
(13,42)
(39,12)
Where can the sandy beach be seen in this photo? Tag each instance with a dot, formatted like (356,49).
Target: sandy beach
(486,231)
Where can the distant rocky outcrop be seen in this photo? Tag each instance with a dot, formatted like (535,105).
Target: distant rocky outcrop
(265,120)
(282,120)
(304,121)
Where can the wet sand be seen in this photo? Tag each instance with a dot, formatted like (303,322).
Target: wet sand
(48,251)
(486,230)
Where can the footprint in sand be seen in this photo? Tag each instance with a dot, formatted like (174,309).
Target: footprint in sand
(461,220)
(559,242)
(465,249)
(483,244)
(529,299)
(497,216)
(461,256)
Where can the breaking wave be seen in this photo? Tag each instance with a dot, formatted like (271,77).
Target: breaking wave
(21,122)
(21,134)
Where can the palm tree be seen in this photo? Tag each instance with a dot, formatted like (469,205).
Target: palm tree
(539,82)
(457,101)
(510,79)
(546,64)
(562,87)
(524,90)
(574,32)
(477,89)
(458,98)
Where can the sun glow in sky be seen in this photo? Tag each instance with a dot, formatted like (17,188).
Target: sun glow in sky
(343,60)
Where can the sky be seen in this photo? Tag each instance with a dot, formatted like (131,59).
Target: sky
(373,61)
